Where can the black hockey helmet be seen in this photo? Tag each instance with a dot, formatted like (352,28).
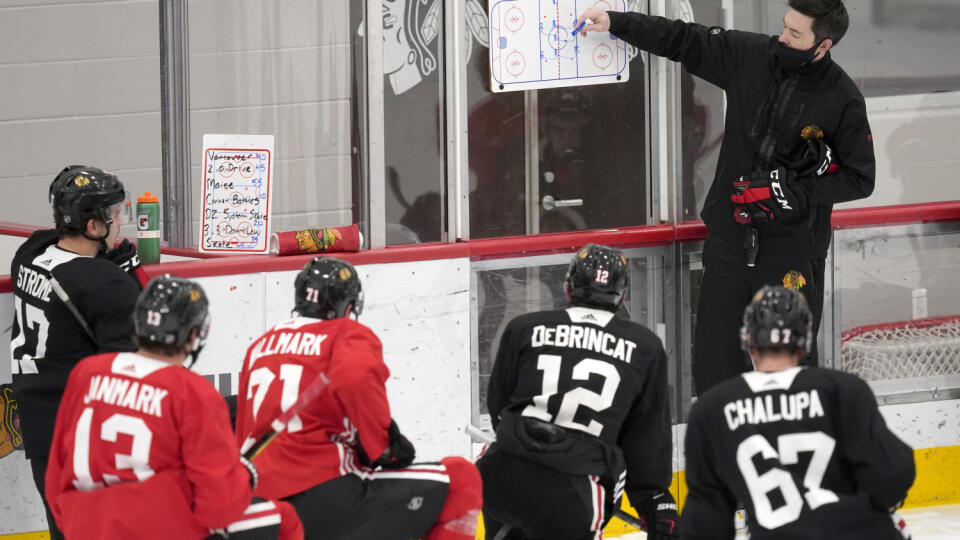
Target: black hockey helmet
(80,189)
(777,318)
(168,310)
(325,287)
(598,276)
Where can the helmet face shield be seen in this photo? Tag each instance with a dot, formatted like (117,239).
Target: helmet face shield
(120,213)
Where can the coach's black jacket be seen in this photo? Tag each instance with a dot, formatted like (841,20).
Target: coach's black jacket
(760,95)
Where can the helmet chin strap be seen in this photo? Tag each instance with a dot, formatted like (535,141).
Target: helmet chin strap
(192,355)
(103,239)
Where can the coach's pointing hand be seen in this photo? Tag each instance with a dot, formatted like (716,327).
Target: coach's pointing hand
(600,20)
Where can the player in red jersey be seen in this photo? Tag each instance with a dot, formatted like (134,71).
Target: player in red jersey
(142,446)
(342,461)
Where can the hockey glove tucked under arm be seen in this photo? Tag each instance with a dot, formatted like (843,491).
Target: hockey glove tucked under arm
(767,195)
(400,453)
(817,160)
(658,512)
(125,256)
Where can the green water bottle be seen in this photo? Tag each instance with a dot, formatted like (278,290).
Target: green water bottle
(148,228)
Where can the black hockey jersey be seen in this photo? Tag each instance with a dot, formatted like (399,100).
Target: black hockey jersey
(601,378)
(805,450)
(47,340)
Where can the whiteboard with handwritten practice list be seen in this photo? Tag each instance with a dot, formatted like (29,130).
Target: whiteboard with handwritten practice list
(237,173)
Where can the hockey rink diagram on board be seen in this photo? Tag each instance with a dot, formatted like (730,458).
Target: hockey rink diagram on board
(532,45)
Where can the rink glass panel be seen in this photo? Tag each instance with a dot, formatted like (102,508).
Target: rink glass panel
(502,289)
(280,68)
(896,309)
(580,143)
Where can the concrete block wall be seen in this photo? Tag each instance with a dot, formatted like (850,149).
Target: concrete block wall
(81,84)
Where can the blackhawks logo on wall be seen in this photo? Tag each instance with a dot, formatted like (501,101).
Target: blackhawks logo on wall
(10,438)
(794,280)
(316,240)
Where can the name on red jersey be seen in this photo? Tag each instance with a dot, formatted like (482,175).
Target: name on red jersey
(133,395)
(300,343)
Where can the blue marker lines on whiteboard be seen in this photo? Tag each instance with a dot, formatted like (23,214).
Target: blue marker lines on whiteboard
(536,45)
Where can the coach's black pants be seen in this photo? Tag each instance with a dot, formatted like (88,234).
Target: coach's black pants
(728,286)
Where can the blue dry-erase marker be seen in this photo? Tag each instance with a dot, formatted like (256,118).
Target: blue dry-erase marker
(577,29)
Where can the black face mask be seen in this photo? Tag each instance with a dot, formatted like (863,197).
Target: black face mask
(792,59)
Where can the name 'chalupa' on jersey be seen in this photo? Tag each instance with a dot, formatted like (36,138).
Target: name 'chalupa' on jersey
(766,409)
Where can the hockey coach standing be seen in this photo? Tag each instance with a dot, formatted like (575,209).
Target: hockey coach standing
(796,141)
(579,401)
(100,286)
(805,450)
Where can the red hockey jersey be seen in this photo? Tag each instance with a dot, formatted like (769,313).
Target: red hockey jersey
(143,449)
(321,442)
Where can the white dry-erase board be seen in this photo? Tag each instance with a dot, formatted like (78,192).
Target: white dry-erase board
(237,180)
(532,46)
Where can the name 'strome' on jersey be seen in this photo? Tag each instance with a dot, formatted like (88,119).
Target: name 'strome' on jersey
(33,283)
(300,343)
(140,397)
(583,337)
(762,410)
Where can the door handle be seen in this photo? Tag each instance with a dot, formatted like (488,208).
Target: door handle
(549,203)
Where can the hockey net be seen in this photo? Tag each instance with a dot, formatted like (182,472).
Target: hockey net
(918,348)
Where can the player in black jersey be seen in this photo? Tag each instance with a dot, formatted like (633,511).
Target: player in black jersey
(48,336)
(805,450)
(579,401)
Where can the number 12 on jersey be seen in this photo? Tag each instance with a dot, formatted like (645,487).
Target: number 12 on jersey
(550,364)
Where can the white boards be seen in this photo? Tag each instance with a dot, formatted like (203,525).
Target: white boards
(532,46)
(235,197)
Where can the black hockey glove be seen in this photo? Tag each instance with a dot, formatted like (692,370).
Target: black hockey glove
(252,469)
(767,195)
(399,454)
(658,513)
(817,160)
(125,256)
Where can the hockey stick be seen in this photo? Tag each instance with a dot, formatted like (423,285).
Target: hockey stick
(478,435)
(252,447)
(62,294)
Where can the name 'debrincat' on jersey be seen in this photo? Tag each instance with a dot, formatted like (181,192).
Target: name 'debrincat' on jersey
(583,337)
(773,408)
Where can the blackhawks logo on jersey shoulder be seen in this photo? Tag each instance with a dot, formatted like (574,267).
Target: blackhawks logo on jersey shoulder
(10,438)
(794,280)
